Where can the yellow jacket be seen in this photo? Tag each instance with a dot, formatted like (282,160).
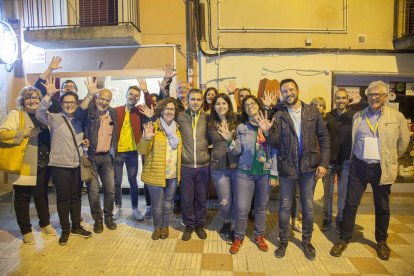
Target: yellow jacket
(154,151)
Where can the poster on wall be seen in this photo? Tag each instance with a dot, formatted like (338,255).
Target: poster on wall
(409,89)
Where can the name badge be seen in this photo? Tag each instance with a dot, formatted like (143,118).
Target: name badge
(371,149)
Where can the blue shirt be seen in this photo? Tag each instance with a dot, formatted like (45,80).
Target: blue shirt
(365,131)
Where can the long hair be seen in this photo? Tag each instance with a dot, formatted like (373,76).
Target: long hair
(214,118)
(207,106)
(244,117)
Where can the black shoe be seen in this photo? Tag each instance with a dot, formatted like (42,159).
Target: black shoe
(201,233)
(110,224)
(63,240)
(230,237)
(187,233)
(383,251)
(177,208)
(281,250)
(225,230)
(309,251)
(338,248)
(80,231)
(325,225)
(98,226)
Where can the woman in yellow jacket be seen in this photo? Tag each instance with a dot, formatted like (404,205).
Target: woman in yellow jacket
(161,145)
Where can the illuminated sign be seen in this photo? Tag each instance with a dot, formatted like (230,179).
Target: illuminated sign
(8,43)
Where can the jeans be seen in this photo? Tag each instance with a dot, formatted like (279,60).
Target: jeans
(162,202)
(147,195)
(342,171)
(360,174)
(194,193)
(223,182)
(287,195)
(104,166)
(130,159)
(22,196)
(68,195)
(243,189)
(295,205)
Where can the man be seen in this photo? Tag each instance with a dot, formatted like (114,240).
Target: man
(129,134)
(182,92)
(339,124)
(101,129)
(379,136)
(302,140)
(194,165)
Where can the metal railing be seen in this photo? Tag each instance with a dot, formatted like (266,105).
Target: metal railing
(404,18)
(47,14)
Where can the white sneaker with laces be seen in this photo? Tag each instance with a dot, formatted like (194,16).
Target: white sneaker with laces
(137,214)
(118,213)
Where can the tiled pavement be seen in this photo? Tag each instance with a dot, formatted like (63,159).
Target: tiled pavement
(129,250)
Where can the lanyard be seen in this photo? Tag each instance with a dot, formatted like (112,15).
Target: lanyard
(194,122)
(371,127)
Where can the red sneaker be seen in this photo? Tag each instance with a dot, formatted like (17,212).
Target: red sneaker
(235,247)
(261,243)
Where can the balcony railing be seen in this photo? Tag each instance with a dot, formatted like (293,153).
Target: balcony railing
(47,14)
(404,18)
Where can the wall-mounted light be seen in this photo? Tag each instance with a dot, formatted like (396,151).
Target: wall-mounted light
(8,46)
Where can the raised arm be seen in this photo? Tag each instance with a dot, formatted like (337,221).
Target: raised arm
(53,65)
(231,88)
(41,113)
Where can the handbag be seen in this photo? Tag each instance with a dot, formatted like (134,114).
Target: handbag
(11,156)
(86,170)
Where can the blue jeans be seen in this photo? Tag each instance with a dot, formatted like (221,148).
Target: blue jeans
(104,166)
(130,159)
(287,195)
(243,189)
(342,171)
(223,181)
(194,193)
(162,202)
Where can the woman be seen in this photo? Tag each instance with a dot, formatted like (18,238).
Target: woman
(209,95)
(320,105)
(64,159)
(35,174)
(161,145)
(222,162)
(252,176)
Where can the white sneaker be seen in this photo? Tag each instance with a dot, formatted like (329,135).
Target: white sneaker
(29,238)
(137,214)
(118,213)
(49,230)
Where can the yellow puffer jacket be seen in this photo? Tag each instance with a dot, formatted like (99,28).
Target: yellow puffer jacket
(154,151)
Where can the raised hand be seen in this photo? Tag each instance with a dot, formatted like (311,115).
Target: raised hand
(142,84)
(50,87)
(92,87)
(148,131)
(55,63)
(268,98)
(223,130)
(263,122)
(147,111)
(169,71)
(231,86)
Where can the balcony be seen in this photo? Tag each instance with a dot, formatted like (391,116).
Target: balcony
(59,24)
(404,25)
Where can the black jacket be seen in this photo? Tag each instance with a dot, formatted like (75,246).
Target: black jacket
(315,142)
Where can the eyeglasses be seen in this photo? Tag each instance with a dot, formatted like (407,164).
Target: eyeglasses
(33,98)
(69,103)
(169,109)
(375,95)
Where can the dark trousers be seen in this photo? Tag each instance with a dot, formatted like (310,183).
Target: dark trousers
(360,174)
(22,196)
(194,193)
(147,195)
(68,195)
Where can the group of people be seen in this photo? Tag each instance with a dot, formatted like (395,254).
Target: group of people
(184,142)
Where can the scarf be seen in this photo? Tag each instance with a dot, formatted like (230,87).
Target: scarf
(170,132)
(260,142)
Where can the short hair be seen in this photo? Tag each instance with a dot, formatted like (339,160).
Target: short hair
(67,81)
(162,104)
(245,89)
(194,90)
(318,100)
(341,89)
(183,81)
(104,90)
(376,84)
(27,90)
(69,93)
(244,117)
(134,87)
(157,97)
(288,80)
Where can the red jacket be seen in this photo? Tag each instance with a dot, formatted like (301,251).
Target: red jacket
(135,117)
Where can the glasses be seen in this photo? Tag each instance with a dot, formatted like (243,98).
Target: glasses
(375,95)
(248,105)
(69,103)
(33,98)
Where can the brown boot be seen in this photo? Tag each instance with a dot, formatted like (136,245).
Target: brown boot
(156,234)
(164,233)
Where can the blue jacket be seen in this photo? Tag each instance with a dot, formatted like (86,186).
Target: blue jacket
(245,145)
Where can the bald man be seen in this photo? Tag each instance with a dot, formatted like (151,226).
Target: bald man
(100,127)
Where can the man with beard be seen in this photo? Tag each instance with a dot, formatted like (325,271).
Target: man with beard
(300,135)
